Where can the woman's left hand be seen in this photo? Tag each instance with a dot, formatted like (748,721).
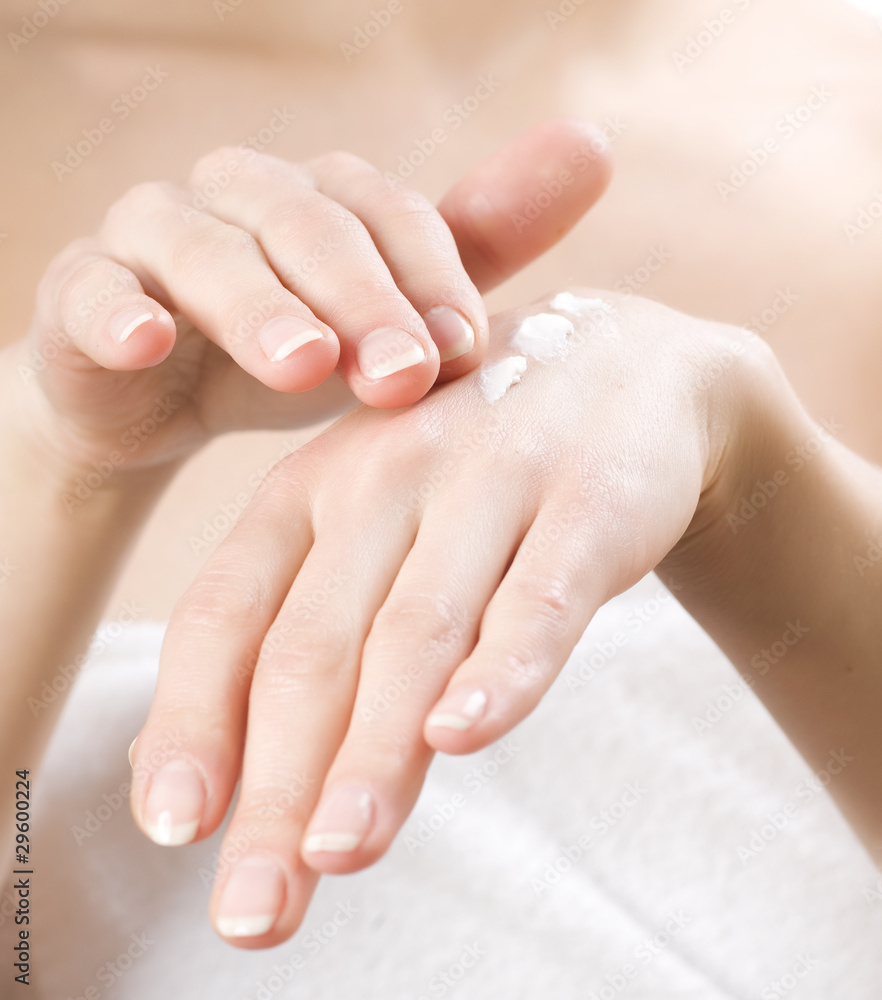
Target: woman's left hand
(413,581)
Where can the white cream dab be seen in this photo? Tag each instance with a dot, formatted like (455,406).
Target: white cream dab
(498,378)
(543,336)
(572,304)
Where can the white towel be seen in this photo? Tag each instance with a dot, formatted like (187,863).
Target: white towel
(487,891)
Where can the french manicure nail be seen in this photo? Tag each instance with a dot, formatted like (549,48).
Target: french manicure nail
(341,822)
(386,351)
(124,324)
(175,801)
(457,714)
(252,899)
(451,331)
(281,337)
(131,748)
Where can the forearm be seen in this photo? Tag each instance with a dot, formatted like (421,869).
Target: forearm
(779,568)
(59,556)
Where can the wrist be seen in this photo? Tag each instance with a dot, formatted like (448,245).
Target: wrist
(43,456)
(755,423)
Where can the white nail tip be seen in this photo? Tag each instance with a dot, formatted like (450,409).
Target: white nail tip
(236,927)
(131,748)
(162,832)
(407,359)
(458,349)
(124,335)
(291,345)
(474,704)
(472,708)
(337,842)
(450,721)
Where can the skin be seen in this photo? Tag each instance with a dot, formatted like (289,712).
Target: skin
(86,450)
(833,376)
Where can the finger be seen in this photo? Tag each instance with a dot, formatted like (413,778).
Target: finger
(90,304)
(426,627)
(419,250)
(211,645)
(301,698)
(387,356)
(530,627)
(218,278)
(523,199)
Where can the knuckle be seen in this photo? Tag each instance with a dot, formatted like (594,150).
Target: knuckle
(297,223)
(223,600)
(435,620)
(522,671)
(143,200)
(548,607)
(384,749)
(340,161)
(66,266)
(217,159)
(304,650)
(196,250)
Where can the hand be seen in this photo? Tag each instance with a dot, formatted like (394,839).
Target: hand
(414,581)
(215,305)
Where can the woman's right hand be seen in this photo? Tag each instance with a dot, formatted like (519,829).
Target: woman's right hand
(216,305)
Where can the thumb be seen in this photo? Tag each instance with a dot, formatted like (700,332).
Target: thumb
(523,199)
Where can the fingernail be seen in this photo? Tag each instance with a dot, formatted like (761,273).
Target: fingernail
(252,899)
(175,801)
(451,331)
(124,324)
(456,714)
(283,335)
(131,748)
(386,351)
(342,821)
